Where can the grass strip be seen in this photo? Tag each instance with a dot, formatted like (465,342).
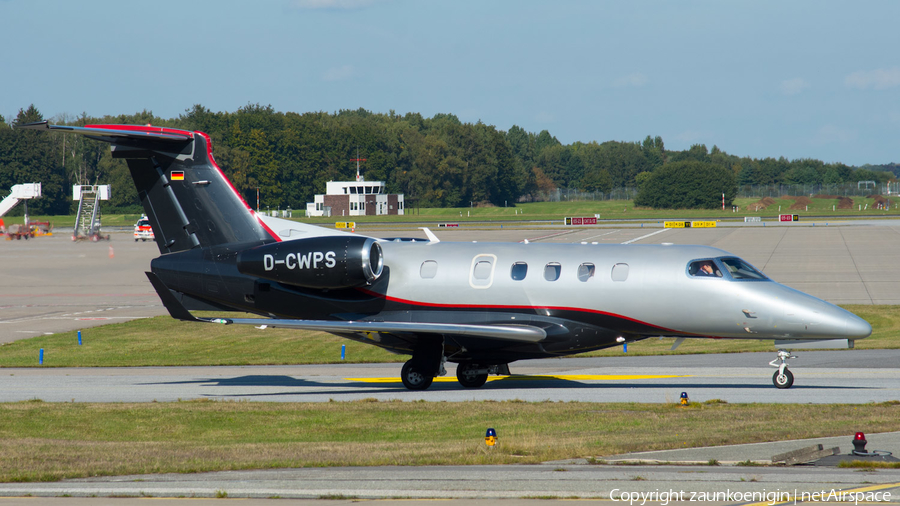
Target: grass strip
(51,441)
(162,341)
(607,209)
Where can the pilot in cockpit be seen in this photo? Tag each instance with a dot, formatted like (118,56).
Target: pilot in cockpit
(708,269)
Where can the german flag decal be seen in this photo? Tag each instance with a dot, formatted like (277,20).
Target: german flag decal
(177,175)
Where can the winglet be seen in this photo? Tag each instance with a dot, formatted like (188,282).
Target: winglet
(430,234)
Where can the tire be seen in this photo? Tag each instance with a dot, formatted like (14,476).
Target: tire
(783,380)
(468,378)
(413,379)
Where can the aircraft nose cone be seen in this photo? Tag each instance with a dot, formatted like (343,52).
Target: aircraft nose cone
(857,328)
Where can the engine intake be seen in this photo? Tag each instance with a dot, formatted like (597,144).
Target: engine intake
(321,262)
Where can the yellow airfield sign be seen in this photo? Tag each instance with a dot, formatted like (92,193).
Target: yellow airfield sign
(689,224)
(345,224)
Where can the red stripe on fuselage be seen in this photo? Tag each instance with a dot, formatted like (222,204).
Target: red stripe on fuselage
(519,308)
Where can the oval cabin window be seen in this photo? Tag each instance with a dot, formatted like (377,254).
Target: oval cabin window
(551,271)
(518,271)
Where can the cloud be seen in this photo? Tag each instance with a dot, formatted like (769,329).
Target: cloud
(635,80)
(545,117)
(878,79)
(341,73)
(794,86)
(689,136)
(830,134)
(331,4)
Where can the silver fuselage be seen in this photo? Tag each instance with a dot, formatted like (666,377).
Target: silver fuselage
(657,289)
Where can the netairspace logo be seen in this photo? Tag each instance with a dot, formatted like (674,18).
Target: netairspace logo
(664,497)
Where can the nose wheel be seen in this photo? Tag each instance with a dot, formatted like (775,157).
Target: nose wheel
(783,378)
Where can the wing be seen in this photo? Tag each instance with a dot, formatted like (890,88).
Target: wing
(517,333)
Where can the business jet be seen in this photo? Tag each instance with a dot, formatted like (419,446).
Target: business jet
(481,305)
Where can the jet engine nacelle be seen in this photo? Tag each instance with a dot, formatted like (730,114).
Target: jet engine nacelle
(321,262)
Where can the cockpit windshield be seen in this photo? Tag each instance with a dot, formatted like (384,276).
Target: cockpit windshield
(741,270)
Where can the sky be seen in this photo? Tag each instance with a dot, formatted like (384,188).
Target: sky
(800,79)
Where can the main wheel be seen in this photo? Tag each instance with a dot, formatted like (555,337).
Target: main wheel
(783,380)
(467,376)
(413,379)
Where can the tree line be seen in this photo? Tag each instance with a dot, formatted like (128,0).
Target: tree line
(436,162)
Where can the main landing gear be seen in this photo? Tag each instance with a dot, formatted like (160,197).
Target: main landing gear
(417,376)
(414,377)
(471,375)
(782,377)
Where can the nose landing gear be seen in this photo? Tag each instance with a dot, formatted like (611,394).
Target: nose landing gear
(783,378)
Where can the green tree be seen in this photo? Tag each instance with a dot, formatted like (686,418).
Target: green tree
(687,185)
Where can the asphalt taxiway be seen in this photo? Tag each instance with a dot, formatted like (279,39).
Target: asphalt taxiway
(821,377)
(681,484)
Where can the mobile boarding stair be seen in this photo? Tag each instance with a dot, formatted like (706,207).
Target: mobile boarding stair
(87,221)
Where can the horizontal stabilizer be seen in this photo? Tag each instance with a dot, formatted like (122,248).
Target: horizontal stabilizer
(110,133)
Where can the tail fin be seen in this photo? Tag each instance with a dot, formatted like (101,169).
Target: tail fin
(188,200)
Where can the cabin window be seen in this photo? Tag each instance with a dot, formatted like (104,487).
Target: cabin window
(704,269)
(619,272)
(551,271)
(740,269)
(518,271)
(428,269)
(586,271)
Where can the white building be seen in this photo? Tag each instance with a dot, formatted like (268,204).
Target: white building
(355,198)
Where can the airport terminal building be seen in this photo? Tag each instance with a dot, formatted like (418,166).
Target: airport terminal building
(355,198)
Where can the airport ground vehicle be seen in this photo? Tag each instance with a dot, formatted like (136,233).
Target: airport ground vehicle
(142,230)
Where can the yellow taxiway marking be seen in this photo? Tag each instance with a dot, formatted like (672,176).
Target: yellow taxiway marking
(564,377)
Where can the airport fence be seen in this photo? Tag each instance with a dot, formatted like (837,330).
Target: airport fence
(859,189)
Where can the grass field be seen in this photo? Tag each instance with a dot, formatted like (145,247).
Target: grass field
(543,211)
(51,441)
(163,341)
